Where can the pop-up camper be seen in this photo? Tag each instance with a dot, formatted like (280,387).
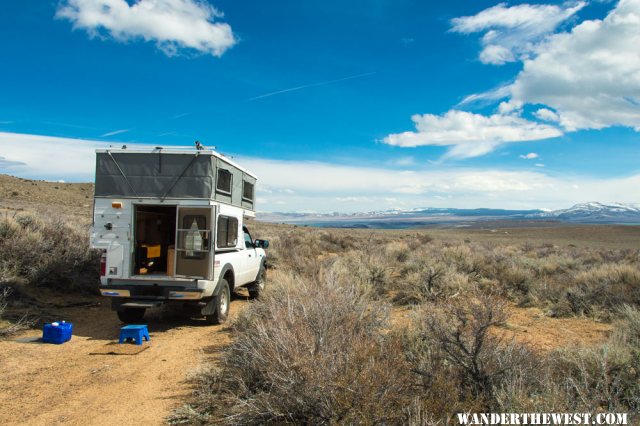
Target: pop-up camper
(171,227)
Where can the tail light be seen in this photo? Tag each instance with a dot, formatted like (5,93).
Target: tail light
(103,264)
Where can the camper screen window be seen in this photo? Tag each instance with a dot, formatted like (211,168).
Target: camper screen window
(247,191)
(224,181)
(193,237)
(227,234)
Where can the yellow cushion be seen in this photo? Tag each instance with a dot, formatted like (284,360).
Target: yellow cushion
(153,251)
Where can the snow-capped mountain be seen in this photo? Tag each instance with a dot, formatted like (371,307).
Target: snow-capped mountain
(594,211)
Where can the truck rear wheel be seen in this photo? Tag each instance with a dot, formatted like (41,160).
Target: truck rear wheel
(258,287)
(131,315)
(221,304)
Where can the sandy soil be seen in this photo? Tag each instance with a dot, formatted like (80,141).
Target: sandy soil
(532,327)
(44,384)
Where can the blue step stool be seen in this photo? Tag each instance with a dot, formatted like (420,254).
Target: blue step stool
(135,332)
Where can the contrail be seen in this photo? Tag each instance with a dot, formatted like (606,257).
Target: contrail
(322,83)
(115,132)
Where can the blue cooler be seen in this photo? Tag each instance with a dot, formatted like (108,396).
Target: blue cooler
(57,332)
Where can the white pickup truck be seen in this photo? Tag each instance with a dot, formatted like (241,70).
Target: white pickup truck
(162,243)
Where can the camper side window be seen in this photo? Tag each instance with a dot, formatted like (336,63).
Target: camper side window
(247,191)
(193,237)
(223,183)
(227,233)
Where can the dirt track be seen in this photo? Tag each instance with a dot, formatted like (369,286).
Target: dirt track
(44,384)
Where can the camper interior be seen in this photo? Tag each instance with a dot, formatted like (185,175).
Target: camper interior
(170,235)
(155,239)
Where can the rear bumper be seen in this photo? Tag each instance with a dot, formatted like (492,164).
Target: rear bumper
(152,292)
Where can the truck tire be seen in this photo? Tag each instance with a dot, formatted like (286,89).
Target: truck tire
(131,315)
(258,286)
(221,304)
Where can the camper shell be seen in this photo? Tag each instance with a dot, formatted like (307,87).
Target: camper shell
(171,224)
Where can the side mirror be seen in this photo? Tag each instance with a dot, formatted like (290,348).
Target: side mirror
(262,243)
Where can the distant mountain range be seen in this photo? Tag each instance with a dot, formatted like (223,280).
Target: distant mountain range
(592,212)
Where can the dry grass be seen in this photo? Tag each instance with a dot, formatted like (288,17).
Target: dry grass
(47,198)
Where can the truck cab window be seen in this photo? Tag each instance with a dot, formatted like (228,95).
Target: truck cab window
(248,242)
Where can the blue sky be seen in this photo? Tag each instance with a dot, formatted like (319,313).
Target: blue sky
(345,106)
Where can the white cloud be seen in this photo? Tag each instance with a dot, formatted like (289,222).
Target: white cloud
(305,185)
(329,187)
(539,165)
(48,157)
(171,24)
(352,199)
(470,135)
(586,78)
(529,156)
(511,32)
(496,55)
(493,95)
(546,114)
(591,75)
(403,162)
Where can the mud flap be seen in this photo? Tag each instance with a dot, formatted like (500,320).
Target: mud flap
(116,302)
(210,308)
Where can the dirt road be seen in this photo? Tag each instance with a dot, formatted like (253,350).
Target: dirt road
(44,384)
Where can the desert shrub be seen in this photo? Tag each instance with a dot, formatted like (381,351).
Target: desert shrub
(309,352)
(479,359)
(432,282)
(8,328)
(46,252)
(604,378)
(627,331)
(464,257)
(597,291)
(336,241)
(605,287)
(368,269)
(316,349)
(397,251)
(4,296)
(461,364)
(415,268)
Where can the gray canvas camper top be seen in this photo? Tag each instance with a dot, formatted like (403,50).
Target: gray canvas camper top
(171,226)
(163,173)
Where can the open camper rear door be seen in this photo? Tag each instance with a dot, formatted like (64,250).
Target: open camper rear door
(194,242)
